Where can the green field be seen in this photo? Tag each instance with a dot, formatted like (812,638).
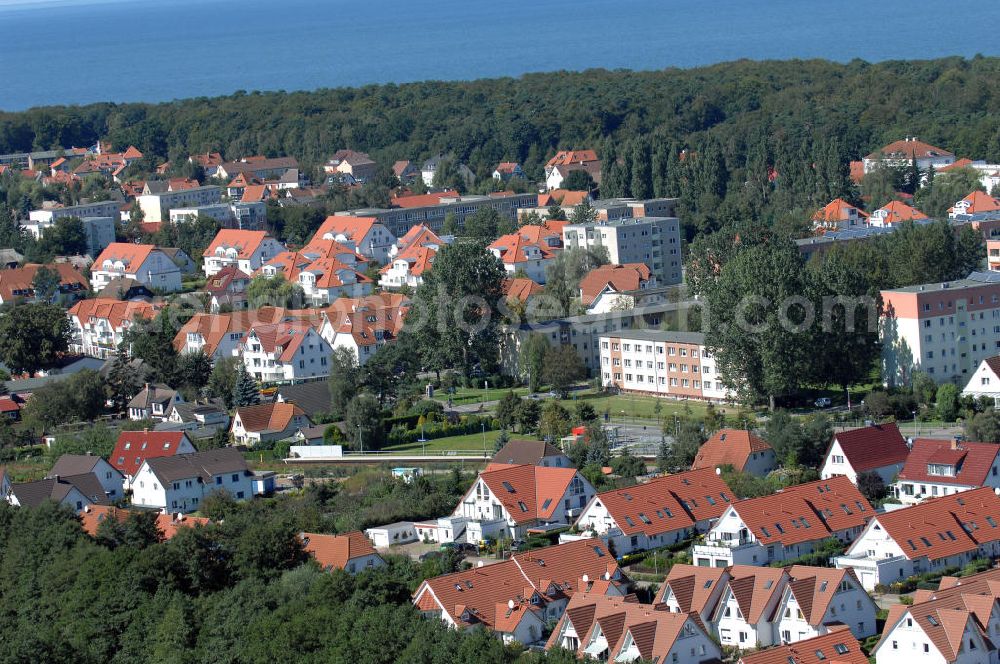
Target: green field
(633,407)
(472,442)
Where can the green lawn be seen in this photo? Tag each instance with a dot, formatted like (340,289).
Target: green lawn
(465,395)
(472,442)
(633,406)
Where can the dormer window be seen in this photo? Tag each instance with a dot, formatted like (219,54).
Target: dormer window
(941,469)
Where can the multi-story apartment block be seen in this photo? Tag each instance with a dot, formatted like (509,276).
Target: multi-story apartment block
(662,363)
(655,241)
(944,329)
(156,207)
(285,352)
(399,220)
(98,325)
(247,250)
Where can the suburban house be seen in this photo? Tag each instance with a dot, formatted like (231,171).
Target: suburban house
(109,477)
(74,491)
(351,552)
(508,500)
(228,288)
(358,165)
(838,646)
(99,325)
(747,606)
(531,452)
(286,351)
(366,235)
(267,422)
(515,598)
(895,212)
(663,511)
(785,525)
(936,534)
(201,415)
(218,335)
(520,255)
(18,284)
(566,161)
(168,524)
(937,467)
(877,449)
(978,203)
(363,325)
(740,449)
(520,290)
(430,167)
(985,382)
(419,235)
(257,167)
(153,402)
(508,170)
(245,250)
(312,398)
(619,629)
(323,272)
(407,268)
(839,215)
(903,152)
(406,171)
(134,447)
(179,483)
(958,622)
(609,279)
(143,262)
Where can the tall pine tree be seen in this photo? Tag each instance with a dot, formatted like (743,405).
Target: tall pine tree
(246,392)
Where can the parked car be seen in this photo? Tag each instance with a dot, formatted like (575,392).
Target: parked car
(823,402)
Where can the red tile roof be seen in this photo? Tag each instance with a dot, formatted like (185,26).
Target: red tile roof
(807,512)
(754,588)
(618,278)
(946,526)
(729,447)
(514,248)
(972,461)
(692,586)
(506,167)
(245,242)
(115,312)
(838,210)
(980,201)
(535,491)
(18,282)
(567,157)
(873,447)
(898,211)
(422,200)
(335,551)
(134,447)
(521,288)
(352,228)
(419,259)
(837,647)
(132,255)
(167,524)
(909,149)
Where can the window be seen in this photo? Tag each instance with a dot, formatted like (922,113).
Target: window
(236,477)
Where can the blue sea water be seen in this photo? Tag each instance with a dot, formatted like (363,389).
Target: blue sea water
(79,51)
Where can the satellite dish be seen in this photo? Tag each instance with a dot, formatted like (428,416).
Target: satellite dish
(586,578)
(718,471)
(510,604)
(479,564)
(607,576)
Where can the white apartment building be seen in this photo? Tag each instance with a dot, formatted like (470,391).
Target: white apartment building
(156,207)
(243,215)
(662,363)
(180,483)
(288,351)
(98,325)
(246,250)
(655,241)
(143,262)
(944,329)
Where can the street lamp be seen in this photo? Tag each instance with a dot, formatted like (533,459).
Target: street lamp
(423,441)
(361,441)
(915,432)
(484,440)
(486,385)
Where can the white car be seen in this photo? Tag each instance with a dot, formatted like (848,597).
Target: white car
(823,402)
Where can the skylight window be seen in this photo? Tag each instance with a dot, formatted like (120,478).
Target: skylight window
(599,552)
(822,587)
(768,584)
(668,513)
(724,496)
(628,496)
(780,529)
(932,620)
(819,655)
(507,486)
(950,535)
(861,505)
(645,519)
(845,508)
(804,522)
(545,505)
(912,545)
(708,584)
(711,501)
(524,508)
(763,529)
(629,521)
(989,520)
(840,648)
(926,541)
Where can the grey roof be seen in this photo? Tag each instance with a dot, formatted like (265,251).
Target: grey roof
(313,398)
(124,286)
(157,186)
(659,335)
(74,464)
(33,494)
(314,432)
(10,256)
(519,452)
(189,411)
(199,464)
(151,394)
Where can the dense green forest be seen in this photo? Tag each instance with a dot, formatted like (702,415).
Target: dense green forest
(803,120)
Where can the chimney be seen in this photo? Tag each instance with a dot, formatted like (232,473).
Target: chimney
(954,443)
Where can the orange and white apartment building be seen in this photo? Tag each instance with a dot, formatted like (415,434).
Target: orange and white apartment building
(944,329)
(670,364)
